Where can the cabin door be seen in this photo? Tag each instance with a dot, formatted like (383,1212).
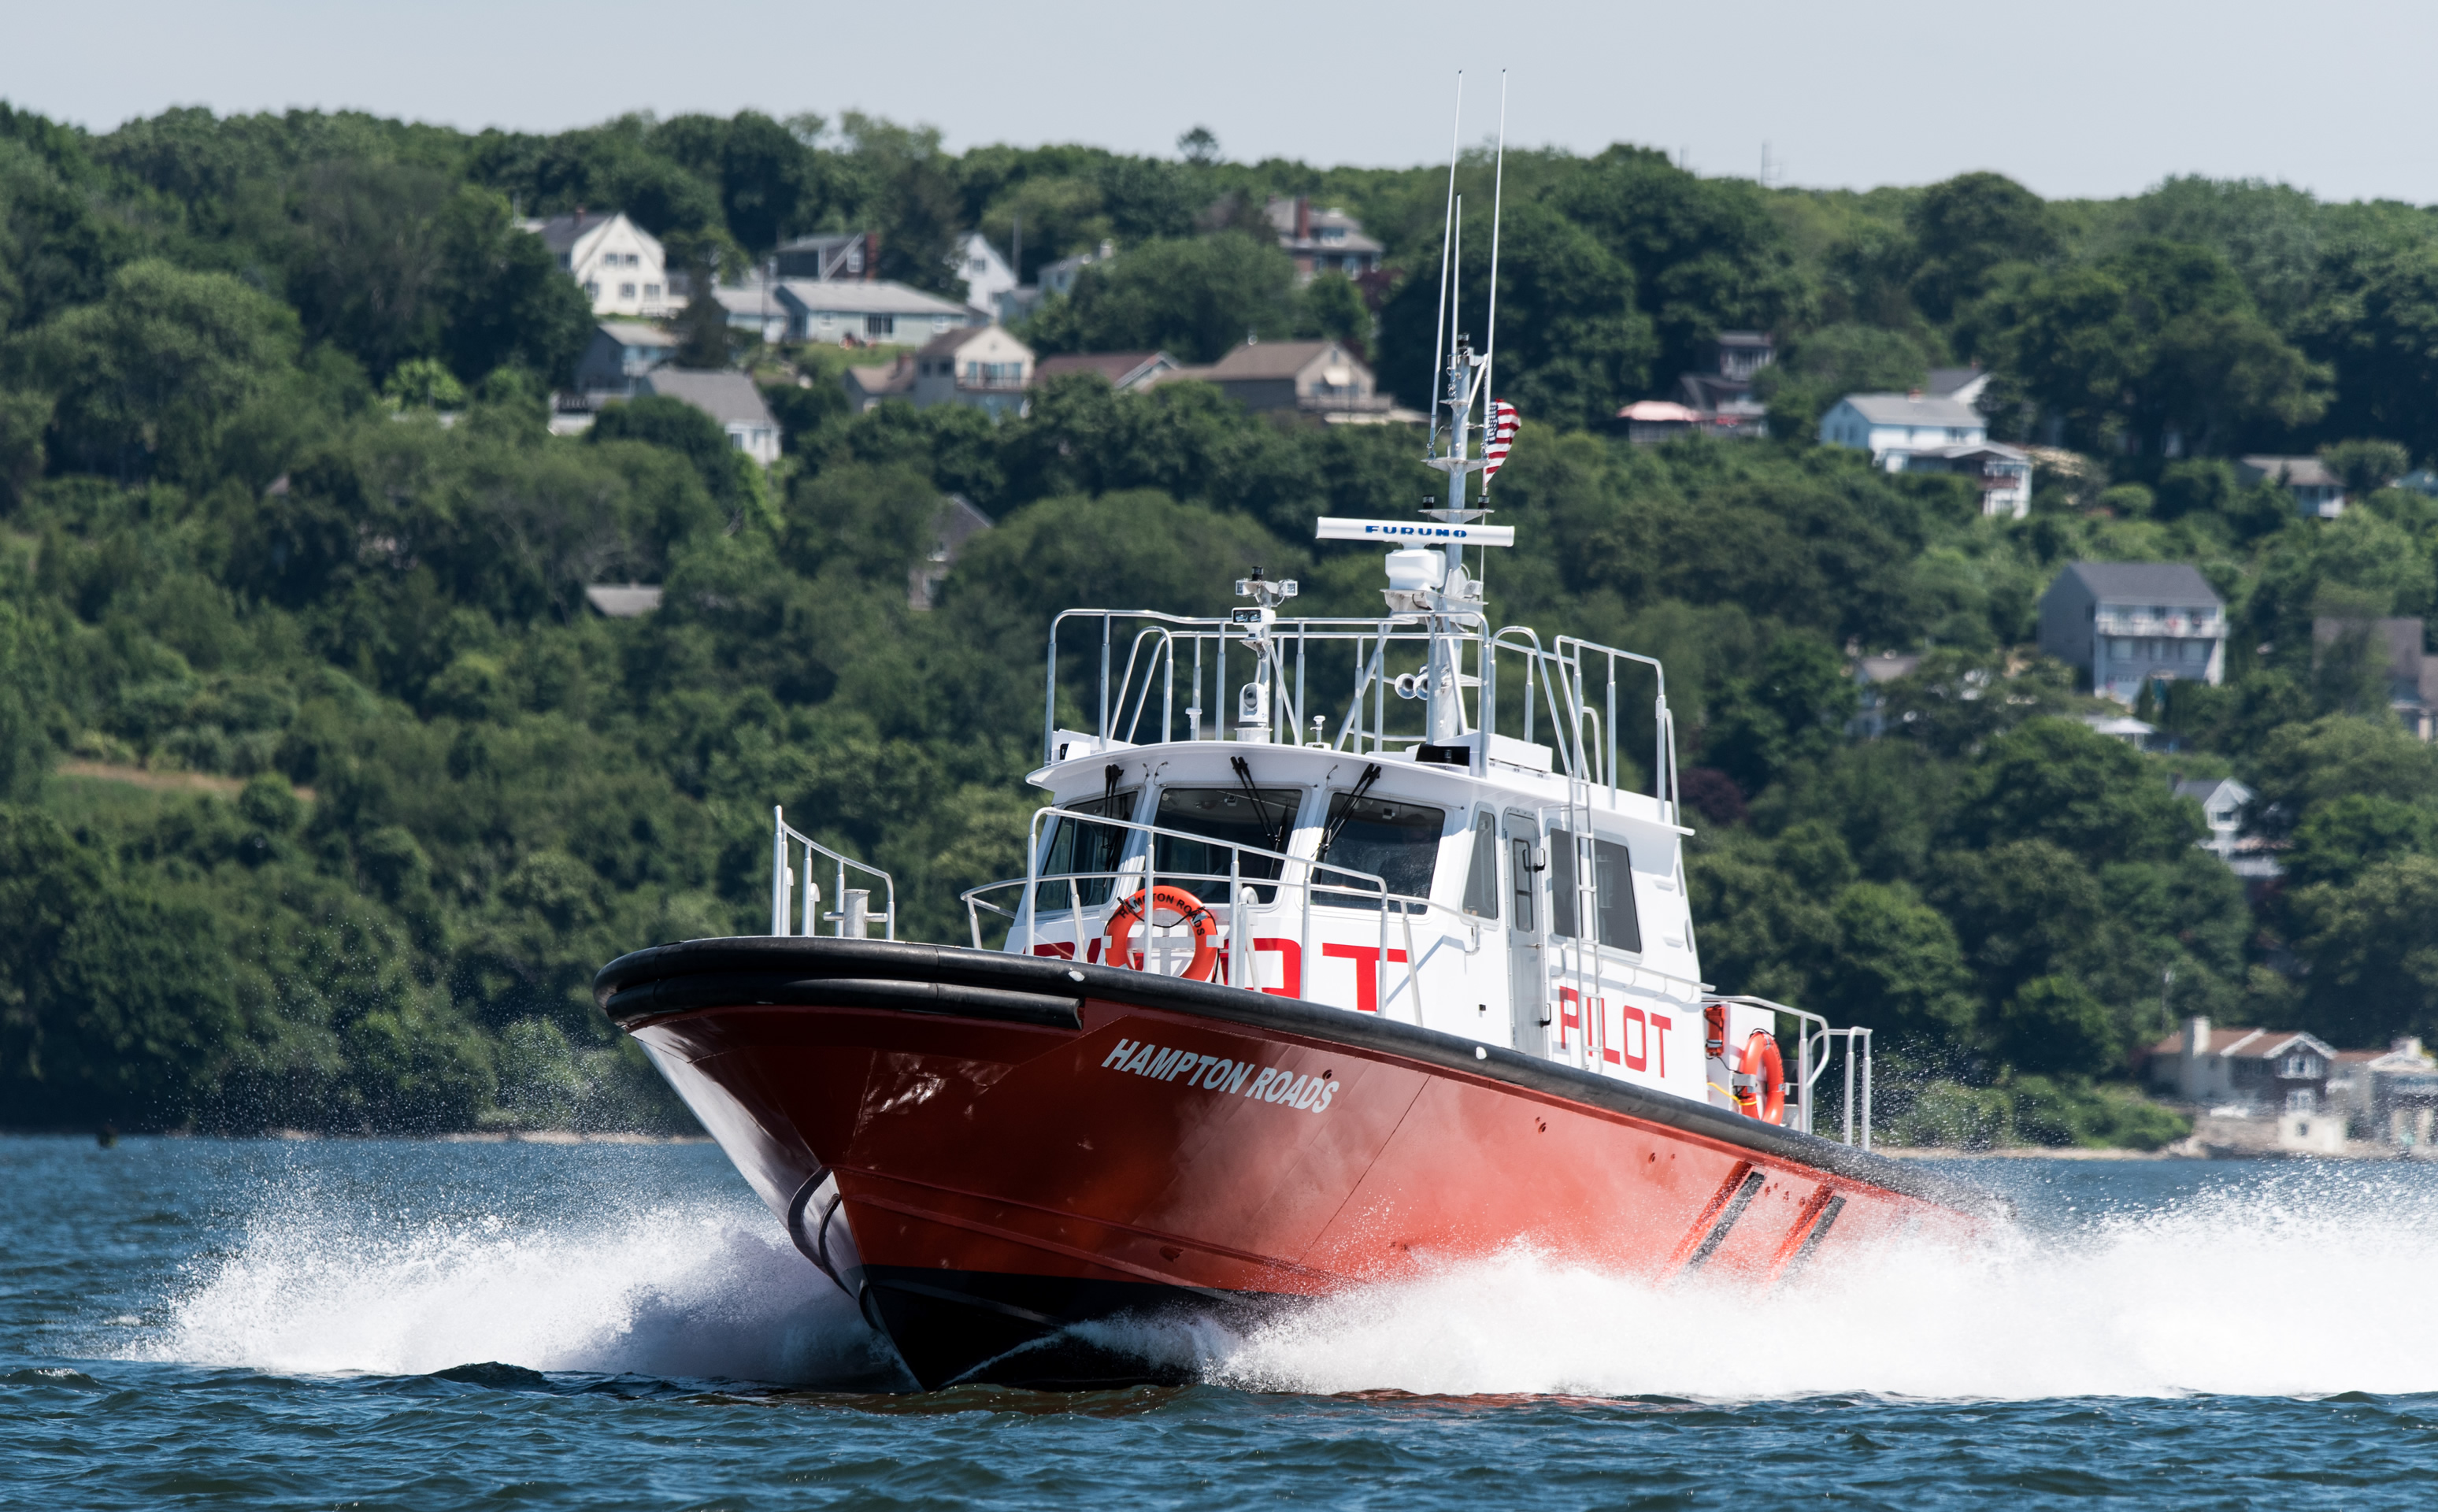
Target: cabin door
(1527,926)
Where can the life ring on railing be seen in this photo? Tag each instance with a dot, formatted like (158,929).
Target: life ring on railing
(1759,1083)
(1189,910)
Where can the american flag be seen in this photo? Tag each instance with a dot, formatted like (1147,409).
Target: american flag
(1503,421)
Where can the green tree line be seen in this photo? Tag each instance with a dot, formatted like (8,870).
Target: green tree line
(239,542)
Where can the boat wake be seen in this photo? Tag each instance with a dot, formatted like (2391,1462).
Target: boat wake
(2198,1297)
(2191,1298)
(692,1289)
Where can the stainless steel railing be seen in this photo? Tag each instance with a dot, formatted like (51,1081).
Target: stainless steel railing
(1307,880)
(1813,1037)
(791,895)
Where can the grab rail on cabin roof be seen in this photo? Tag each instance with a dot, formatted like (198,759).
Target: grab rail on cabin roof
(854,916)
(1558,679)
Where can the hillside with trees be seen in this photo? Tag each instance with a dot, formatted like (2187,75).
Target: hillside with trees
(323,793)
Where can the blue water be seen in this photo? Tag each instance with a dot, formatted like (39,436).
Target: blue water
(416,1324)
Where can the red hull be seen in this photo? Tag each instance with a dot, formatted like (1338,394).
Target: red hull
(1008,1160)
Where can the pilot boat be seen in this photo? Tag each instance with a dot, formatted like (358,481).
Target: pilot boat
(1274,1011)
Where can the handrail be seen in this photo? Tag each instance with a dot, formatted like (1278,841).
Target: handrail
(1811,1061)
(1338,878)
(854,913)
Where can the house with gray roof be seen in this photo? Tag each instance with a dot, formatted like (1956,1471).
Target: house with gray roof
(1321,379)
(620,352)
(2317,492)
(1127,372)
(866,312)
(730,399)
(1927,433)
(2120,624)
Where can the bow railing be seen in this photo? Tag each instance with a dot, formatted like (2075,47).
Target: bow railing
(793,895)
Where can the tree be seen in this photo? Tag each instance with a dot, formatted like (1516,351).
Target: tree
(1572,345)
(1967,226)
(1793,709)
(2058,780)
(2366,466)
(1196,299)
(1705,254)
(155,373)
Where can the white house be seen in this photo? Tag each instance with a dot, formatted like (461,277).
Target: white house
(621,352)
(2221,799)
(986,275)
(2124,624)
(618,264)
(1892,427)
(2317,492)
(1922,432)
(730,399)
(983,368)
(866,312)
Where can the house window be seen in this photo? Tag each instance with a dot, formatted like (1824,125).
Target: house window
(626,291)
(592,288)
(651,290)
(880,325)
(2301,1099)
(938,323)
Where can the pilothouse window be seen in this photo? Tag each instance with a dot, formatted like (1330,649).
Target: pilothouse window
(1619,927)
(1079,847)
(1260,818)
(1481,882)
(1394,839)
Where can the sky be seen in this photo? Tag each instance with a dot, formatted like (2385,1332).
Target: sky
(2072,98)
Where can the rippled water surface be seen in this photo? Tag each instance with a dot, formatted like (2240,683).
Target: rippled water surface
(409,1325)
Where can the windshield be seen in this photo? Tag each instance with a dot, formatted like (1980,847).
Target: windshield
(1079,846)
(1261,817)
(1394,839)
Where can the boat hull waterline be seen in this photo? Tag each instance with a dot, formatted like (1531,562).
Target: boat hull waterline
(988,1150)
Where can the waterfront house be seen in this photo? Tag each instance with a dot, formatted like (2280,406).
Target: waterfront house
(2269,1071)
(981,367)
(1323,240)
(1127,372)
(620,266)
(730,399)
(2392,1093)
(619,353)
(986,275)
(1924,432)
(850,256)
(2121,624)
(2317,492)
(1319,379)
(866,312)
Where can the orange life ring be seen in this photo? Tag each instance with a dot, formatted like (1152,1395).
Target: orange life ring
(1189,910)
(1761,1059)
